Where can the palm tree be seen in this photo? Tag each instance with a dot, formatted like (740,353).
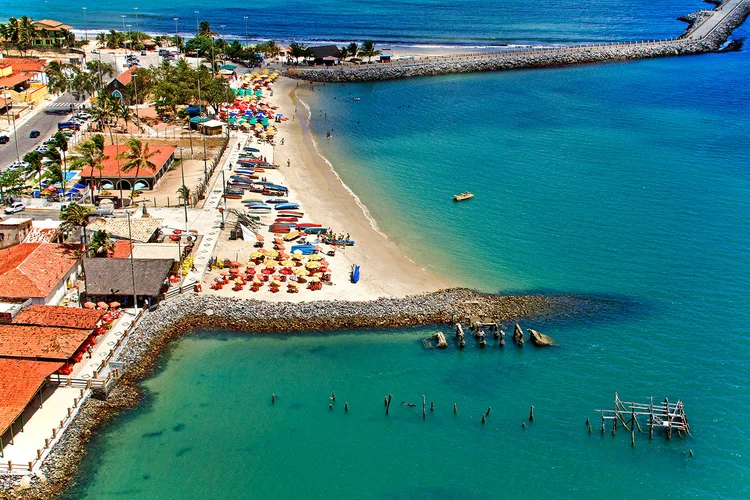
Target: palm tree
(27,32)
(296,51)
(204,30)
(57,77)
(184,193)
(138,157)
(353,49)
(91,154)
(101,38)
(124,112)
(60,142)
(343,53)
(34,159)
(368,50)
(73,217)
(101,244)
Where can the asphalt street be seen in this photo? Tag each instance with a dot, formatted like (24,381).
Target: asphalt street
(45,122)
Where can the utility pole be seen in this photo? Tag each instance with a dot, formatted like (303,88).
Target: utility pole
(85,28)
(132,265)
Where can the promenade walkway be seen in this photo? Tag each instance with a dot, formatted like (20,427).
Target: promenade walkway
(719,14)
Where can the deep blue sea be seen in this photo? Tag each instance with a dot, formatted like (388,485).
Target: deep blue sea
(626,180)
(465,22)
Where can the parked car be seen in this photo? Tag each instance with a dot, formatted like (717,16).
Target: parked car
(34,134)
(48,142)
(143,52)
(83,116)
(42,150)
(17,164)
(4,139)
(67,125)
(94,51)
(15,208)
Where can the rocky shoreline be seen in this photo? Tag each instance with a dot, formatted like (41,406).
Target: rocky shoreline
(544,58)
(192,312)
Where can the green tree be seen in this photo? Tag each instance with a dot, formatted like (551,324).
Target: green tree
(34,159)
(58,80)
(27,32)
(101,244)
(11,183)
(296,51)
(352,49)
(90,153)
(137,157)
(368,50)
(74,217)
(60,142)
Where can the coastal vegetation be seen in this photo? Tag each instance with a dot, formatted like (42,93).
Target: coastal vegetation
(23,34)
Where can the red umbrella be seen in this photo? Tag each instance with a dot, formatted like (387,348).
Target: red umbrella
(89,305)
(286,271)
(267,271)
(102,305)
(234,270)
(224,273)
(177,231)
(250,271)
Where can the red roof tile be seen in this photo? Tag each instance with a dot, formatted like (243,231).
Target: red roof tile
(126,76)
(111,164)
(15,78)
(40,343)
(67,317)
(34,269)
(122,249)
(24,63)
(19,381)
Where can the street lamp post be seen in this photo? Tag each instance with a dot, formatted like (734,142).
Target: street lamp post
(85,28)
(135,90)
(136,20)
(176,36)
(196,21)
(122,16)
(129,46)
(184,201)
(132,265)
(247,42)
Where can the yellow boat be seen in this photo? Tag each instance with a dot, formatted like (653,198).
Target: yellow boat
(462,197)
(291,236)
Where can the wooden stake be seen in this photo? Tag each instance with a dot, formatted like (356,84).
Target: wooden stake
(531,414)
(432,406)
(346,406)
(424,406)
(455,409)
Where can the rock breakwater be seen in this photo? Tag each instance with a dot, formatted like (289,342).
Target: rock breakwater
(539,58)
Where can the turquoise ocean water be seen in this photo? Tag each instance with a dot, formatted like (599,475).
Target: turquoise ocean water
(625,180)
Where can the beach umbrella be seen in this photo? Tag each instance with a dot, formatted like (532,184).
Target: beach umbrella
(239,281)
(102,305)
(312,265)
(276,283)
(315,257)
(89,305)
(288,263)
(256,255)
(141,185)
(36,194)
(79,186)
(223,273)
(250,271)
(315,279)
(292,284)
(301,272)
(286,271)
(267,271)
(234,270)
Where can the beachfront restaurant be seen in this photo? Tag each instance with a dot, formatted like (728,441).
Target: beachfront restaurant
(112,177)
(38,342)
(112,279)
(41,273)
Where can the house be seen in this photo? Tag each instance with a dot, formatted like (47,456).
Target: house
(113,279)
(13,231)
(51,33)
(139,229)
(23,79)
(122,80)
(39,272)
(111,175)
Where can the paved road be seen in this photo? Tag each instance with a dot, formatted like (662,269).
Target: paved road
(718,16)
(44,121)
(39,213)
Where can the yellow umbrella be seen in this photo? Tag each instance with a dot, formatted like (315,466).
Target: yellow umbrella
(292,284)
(256,255)
(276,283)
(272,253)
(315,257)
(318,275)
(288,263)
(297,254)
(312,265)
(315,279)
(301,272)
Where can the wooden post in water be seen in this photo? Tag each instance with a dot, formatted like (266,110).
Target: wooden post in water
(346,406)
(432,406)
(669,418)
(273,398)
(388,404)
(455,409)
(333,396)
(424,407)
(531,414)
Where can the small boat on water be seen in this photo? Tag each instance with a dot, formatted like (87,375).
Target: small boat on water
(276,201)
(355,273)
(461,197)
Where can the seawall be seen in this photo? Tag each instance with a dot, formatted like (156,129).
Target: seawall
(687,44)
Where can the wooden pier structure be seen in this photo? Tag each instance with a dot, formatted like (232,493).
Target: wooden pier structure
(665,415)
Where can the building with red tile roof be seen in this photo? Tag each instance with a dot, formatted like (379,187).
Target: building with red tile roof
(113,176)
(65,317)
(41,343)
(20,381)
(38,271)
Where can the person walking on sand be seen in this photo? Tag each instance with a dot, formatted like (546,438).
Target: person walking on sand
(288,163)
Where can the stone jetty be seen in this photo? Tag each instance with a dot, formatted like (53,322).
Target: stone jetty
(707,31)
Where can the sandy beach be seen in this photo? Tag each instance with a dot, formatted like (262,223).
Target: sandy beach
(386,271)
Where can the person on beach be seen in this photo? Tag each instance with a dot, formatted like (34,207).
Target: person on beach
(282,141)
(288,163)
